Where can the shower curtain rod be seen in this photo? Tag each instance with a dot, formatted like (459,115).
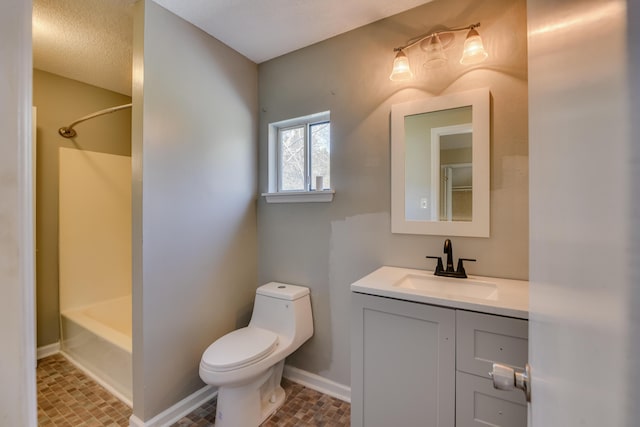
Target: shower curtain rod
(69,132)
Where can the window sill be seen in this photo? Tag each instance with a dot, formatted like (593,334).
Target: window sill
(300,196)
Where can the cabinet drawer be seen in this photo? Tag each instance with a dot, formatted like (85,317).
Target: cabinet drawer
(483,339)
(478,404)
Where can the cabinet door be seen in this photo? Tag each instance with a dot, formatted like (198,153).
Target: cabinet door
(403,363)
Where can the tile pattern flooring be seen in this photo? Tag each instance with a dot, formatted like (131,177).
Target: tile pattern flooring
(303,408)
(67,397)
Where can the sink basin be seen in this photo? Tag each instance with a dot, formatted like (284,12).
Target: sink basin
(448,287)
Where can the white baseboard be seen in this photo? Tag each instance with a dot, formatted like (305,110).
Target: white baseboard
(177,411)
(318,383)
(191,402)
(48,350)
(97,379)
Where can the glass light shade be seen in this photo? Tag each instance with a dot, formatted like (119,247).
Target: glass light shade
(401,69)
(435,53)
(474,52)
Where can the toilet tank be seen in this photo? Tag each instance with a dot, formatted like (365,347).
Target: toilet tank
(284,309)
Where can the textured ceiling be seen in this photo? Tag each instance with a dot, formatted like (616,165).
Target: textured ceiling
(85,40)
(90,40)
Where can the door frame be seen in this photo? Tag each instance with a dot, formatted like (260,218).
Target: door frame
(17,66)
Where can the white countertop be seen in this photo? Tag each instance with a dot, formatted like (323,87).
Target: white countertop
(511,298)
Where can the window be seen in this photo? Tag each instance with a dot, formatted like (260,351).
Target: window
(304,155)
(300,159)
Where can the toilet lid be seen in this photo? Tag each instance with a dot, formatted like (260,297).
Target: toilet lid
(239,348)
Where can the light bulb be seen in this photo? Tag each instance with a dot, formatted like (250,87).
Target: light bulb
(474,52)
(435,53)
(401,69)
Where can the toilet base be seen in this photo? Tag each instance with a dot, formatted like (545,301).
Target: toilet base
(249,405)
(272,406)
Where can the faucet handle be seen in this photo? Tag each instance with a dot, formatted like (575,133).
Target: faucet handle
(439,266)
(460,268)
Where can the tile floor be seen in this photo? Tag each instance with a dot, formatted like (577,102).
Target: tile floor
(303,407)
(67,397)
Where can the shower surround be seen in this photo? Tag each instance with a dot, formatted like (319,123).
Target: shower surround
(95,265)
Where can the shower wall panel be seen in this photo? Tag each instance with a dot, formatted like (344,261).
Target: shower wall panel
(95,227)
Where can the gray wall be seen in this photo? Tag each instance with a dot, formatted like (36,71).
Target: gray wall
(633,349)
(60,101)
(17,353)
(194,156)
(328,246)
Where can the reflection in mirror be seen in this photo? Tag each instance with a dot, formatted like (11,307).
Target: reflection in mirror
(456,179)
(440,165)
(438,150)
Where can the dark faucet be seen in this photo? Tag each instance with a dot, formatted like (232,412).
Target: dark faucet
(448,249)
(449,271)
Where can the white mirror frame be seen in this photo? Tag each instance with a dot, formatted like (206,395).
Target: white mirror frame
(478,99)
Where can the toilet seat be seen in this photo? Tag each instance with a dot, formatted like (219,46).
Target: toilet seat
(239,348)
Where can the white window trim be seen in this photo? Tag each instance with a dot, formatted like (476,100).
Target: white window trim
(299,196)
(274,194)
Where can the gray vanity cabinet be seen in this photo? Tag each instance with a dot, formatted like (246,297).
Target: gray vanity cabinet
(416,364)
(402,363)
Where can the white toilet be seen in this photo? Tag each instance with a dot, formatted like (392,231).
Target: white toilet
(247,364)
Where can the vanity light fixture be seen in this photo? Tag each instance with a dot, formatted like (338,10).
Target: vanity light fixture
(435,52)
(401,69)
(434,44)
(473,52)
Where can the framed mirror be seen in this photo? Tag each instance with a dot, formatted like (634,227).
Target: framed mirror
(440,165)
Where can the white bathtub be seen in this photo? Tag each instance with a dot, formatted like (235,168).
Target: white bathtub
(98,339)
